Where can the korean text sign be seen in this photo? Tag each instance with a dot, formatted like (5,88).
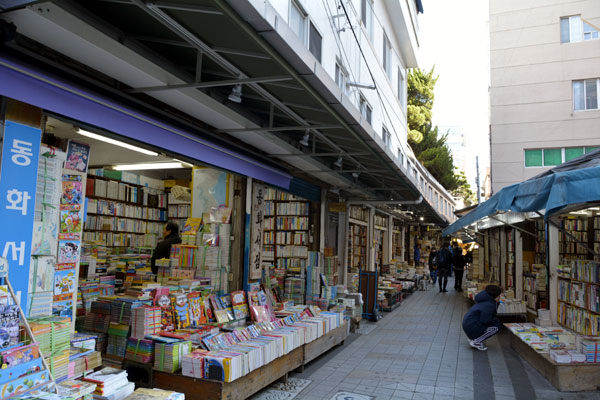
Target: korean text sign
(18,179)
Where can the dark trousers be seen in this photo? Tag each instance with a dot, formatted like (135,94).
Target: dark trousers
(433,275)
(443,276)
(458,279)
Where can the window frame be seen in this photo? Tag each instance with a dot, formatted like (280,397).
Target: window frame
(296,4)
(341,71)
(387,56)
(386,136)
(366,18)
(364,106)
(584,92)
(401,87)
(310,25)
(581,35)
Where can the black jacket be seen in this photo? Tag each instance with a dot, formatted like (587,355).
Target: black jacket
(163,250)
(481,316)
(444,259)
(459,260)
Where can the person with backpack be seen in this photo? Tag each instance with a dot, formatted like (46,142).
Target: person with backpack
(432,265)
(444,265)
(459,262)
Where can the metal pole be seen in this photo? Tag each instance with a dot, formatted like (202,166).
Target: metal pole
(477,183)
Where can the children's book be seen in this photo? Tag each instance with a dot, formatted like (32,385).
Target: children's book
(181,310)
(197,312)
(240,306)
(258,311)
(226,301)
(20,355)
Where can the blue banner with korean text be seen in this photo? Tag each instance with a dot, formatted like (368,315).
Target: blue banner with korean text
(18,179)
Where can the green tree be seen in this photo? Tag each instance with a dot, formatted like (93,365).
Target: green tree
(427,143)
(421,85)
(464,188)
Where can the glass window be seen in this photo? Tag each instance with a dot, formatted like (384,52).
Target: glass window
(589,149)
(591,94)
(564,30)
(365,109)
(386,136)
(552,157)
(589,32)
(401,86)
(341,77)
(298,21)
(400,156)
(578,96)
(314,42)
(366,16)
(533,158)
(387,56)
(573,152)
(575,29)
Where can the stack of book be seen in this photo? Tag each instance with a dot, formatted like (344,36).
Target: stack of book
(122,309)
(76,389)
(168,356)
(140,350)
(111,384)
(146,321)
(52,334)
(590,347)
(59,364)
(117,339)
(155,394)
(84,363)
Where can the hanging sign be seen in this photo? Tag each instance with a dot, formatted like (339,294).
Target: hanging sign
(256,238)
(338,207)
(18,178)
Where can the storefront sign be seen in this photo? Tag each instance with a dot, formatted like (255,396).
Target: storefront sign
(256,244)
(338,207)
(20,156)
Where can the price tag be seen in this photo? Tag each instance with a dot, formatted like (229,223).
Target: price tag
(3,267)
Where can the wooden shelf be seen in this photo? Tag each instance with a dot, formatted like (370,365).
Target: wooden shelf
(358,222)
(582,308)
(114,231)
(119,216)
(124,202)
(577,280)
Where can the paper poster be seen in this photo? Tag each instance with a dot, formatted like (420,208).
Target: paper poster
(64,283)
(68,251)
(45,236)
(41,278)
(78,155)
(70,221)
(71,195)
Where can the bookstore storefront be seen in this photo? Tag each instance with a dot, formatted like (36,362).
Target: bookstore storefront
(96,196)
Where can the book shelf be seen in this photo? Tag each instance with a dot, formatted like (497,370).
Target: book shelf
(357,238)
(123,214)
(540,244)
(397,240)
(510,259)
(178,211)
(534,288)
(286,233)
(579,297)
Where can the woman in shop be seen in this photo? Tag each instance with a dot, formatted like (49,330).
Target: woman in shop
(163,248)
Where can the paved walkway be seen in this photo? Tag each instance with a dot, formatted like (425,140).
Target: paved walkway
(419,352)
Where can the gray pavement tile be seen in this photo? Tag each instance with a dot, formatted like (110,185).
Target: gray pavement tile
(424,389)
(410,387)
(422,396)
(444,391)
(383,391)
(364,389)
(401,394)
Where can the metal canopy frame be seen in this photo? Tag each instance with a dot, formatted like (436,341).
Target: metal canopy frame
(298,110)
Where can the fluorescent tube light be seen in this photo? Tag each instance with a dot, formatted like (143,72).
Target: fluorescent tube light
(142,166)
(116,142)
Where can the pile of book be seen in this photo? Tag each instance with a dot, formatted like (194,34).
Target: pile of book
(76,389)
(146,321)
(122,309)
(140,350)
(590,347)
(111,384)
(117,339)
(81,362)
(168,356)
(53,334)
(567,356)
(155,394)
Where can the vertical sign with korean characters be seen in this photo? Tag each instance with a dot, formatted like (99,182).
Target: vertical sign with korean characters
(18,178)
(256,244)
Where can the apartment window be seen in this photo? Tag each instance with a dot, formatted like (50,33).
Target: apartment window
(575,29)
(554,156)
(365,109)
(314,42)
(298,19)
(341,76)
(585,94)
(387,56)
(400,156)
(366,16)
(401,86)
(386,136)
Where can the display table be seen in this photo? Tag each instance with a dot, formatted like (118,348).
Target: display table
(564,377)
(256,380)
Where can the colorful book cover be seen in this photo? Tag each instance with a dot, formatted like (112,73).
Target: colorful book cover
(20,355)
(9,325)
(72,192)
(78,155)
(226,301)
(197,312)
(63,308)
(181,310)
(70,221)
(210,316)
(64,283)
(23,384)
(68,251)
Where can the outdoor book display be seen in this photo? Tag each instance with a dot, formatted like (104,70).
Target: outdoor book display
(569,361)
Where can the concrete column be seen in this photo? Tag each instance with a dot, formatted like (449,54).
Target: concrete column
(370,238)
(553,260)
(342,245)
(518,265)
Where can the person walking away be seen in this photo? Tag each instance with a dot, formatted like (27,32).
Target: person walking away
(433,265)
(163,248)
(417,255)
(459,263)
(444,265)
(480,322)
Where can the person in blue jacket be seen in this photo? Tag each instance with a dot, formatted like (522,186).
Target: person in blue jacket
(480,322)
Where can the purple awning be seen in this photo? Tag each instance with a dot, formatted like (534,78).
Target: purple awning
(34,87)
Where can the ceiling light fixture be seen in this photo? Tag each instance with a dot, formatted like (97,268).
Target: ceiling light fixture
(421,219)
(144,166)
(339,162)
(236,94)
(116,142)
(304,142)
(356,174)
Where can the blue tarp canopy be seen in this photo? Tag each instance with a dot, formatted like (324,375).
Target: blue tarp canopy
(574,182)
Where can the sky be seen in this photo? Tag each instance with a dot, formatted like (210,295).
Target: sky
(455,38)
